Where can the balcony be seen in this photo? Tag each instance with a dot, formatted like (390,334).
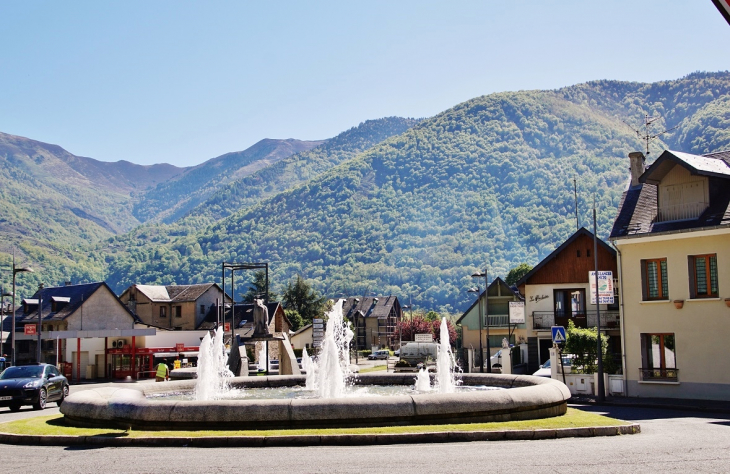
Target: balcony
(585,319)
(659,375)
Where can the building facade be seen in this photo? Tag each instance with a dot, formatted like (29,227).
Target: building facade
(557,292)
(673,236)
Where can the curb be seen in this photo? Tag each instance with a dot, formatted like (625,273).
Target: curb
(319,440)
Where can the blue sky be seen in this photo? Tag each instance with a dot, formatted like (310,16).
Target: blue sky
(181,82)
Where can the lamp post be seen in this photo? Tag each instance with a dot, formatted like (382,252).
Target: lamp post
(2,316)
(39,351)
(16,270)
(478,291)
(486,314)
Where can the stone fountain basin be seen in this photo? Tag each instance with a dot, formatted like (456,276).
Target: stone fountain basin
(528,397)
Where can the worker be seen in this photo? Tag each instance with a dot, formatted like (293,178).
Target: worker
(163,372)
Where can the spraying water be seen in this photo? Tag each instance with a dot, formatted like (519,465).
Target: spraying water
(332,370)
(263,362)
(212,370)
(445,363)
(309,367)
(423,380)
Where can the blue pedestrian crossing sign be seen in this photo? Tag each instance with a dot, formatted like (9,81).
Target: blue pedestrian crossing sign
(558,334)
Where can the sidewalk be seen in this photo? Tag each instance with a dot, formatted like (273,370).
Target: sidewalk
(707,406)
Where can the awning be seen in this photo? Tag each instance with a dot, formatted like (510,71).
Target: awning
(188,354)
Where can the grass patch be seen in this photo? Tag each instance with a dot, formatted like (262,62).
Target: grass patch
(55,425)
(376,368)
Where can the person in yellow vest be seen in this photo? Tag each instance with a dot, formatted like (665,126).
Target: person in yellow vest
(163,372)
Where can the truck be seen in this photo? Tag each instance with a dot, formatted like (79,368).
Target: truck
(414,355)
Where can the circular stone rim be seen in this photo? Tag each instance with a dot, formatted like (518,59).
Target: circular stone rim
(528,397)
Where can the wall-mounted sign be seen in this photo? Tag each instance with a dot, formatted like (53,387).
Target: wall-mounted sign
(605,287)
(426,337)
(226,327)
(30,329)
(179,347)
(517,312)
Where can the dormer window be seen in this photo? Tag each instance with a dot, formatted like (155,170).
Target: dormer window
(682,196)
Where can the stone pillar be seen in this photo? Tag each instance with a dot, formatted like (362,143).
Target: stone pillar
(506,360)
(554,361)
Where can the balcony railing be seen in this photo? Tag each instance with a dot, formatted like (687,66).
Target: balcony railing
(659,375)
(584,319)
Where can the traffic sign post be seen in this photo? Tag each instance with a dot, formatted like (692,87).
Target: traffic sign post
(558,333)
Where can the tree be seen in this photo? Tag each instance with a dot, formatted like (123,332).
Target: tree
(303,299)
(517,273)
(582,343)
(420,324)
(294,318)
(257,288)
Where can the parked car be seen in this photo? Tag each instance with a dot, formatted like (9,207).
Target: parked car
(35,385)
(546,371)
(379,355)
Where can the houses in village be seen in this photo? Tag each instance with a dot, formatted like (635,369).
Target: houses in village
(669,253)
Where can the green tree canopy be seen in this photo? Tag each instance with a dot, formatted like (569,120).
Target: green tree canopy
(517,272)
(302,298)
(257,288)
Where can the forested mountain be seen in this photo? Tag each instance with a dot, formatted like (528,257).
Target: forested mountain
(174,198)
(490,180)
(157,193)
(50,195)
(299,168)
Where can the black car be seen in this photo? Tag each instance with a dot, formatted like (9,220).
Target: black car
(34,385)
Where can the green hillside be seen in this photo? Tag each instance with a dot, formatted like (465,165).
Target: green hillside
(488,180)
(174,198)
(299,168)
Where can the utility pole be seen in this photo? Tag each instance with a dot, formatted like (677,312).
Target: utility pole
(601,389)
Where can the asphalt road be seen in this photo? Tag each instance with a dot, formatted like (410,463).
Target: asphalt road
(670,441)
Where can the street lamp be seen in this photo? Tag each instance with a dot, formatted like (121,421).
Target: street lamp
(478,291)
(2,316)
(486,315)
(39,351)
(16,270)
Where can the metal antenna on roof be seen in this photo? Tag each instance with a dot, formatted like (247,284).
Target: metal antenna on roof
(647,137)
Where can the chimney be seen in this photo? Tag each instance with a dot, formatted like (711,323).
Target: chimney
(638,166)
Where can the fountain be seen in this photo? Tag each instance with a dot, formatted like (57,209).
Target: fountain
(263,365)
(212,370)
(528,397)
(331,372)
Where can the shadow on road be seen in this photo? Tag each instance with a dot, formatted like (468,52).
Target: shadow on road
(634,413)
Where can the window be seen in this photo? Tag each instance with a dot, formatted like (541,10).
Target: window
(163,313)
(178,311)
(654,279)
(588,252)
(202,309)
(703,276)
(658,357)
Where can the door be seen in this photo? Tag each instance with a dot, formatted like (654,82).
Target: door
(570,305)
(54,385)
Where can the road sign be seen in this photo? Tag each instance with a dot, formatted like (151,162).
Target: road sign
(558,334)
(318,326)
(30,329)
(226,327)
(317,320)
